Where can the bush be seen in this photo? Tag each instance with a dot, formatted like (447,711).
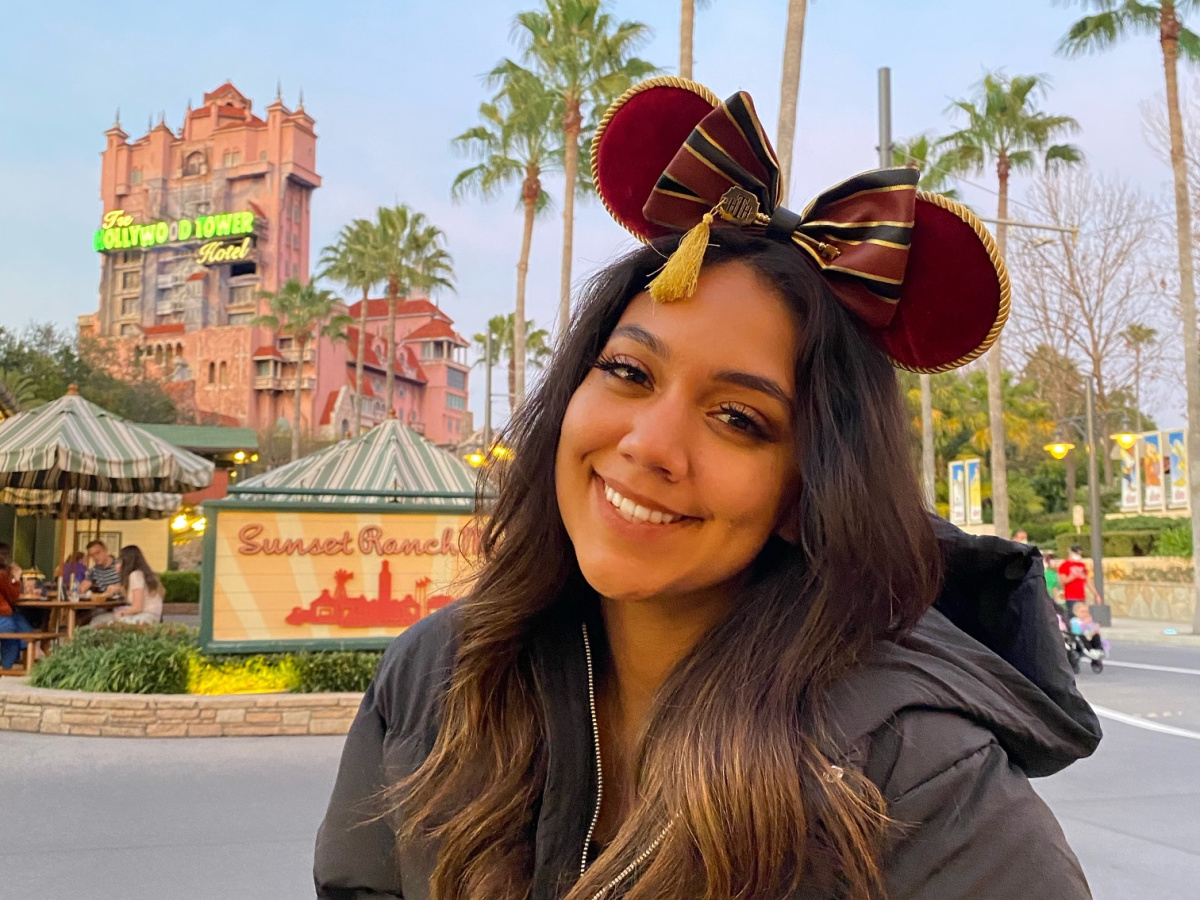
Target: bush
(128,659)
(166,659)
(180,587)
(1115,543)
(337,671)
(1175,541)
(242,675)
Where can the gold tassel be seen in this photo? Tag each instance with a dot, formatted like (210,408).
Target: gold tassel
(677,279)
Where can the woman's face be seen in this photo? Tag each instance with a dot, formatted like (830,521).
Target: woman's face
(676,453)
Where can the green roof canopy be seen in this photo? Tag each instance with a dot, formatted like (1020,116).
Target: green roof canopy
(206,438)
(389,460)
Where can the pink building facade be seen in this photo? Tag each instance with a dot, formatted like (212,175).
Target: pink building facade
(196,224)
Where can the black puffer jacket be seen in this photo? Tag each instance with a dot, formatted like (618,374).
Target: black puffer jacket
(949,723)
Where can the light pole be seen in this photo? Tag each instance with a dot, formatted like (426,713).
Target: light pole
(1060,450)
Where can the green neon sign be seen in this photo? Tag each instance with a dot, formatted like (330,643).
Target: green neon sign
(118,231)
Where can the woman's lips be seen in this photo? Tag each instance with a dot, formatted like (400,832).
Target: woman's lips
(636,509)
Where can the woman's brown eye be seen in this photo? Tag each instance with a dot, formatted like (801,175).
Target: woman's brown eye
(622,369)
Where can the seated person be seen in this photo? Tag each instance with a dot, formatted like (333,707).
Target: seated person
(141,588)
(102,578)
(1086,627)
(72,571)
(10,617)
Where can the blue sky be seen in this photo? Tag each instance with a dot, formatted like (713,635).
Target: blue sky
(391,83)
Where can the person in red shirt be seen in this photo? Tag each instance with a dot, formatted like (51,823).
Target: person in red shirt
(10,617)
(1074,578)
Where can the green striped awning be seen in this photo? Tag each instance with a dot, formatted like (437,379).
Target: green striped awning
(92,504)
(389,459)
(71,443)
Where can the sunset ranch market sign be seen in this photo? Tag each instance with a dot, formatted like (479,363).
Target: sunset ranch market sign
(227,237)
(276,580)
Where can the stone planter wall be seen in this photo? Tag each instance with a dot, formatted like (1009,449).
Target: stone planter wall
(25,708)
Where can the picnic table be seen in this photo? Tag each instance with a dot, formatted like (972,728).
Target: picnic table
(61,610)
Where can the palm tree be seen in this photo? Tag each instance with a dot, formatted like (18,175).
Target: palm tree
(1137,337)
(351,262)
(585,58)
(1105,29)
(299,311)
(503,342)
(1004,125)
(789,90)
(516,141)
(920,153)
(409,254)
(687,23)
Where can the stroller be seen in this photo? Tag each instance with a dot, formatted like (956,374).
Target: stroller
(1079,648)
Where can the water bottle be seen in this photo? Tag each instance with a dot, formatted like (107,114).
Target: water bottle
(74,590)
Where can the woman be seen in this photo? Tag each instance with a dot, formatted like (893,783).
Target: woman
(141,588)
(700,659)
(11,619)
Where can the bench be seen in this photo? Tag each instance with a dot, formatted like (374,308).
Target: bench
(42,639)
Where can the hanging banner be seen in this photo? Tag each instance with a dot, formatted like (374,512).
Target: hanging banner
(974,492)
(1131,482)
(1152,464)
(1177,473)
(958,492)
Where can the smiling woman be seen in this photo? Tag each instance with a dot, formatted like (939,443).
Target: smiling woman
(702,657)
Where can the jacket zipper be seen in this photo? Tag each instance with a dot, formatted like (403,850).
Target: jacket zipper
(587,841)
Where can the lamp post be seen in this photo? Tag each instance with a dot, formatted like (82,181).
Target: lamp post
(1060,450)
(1094,502)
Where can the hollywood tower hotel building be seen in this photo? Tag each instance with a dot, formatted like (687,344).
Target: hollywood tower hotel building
(196,225)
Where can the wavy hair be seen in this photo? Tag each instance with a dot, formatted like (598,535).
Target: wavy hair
(736,752)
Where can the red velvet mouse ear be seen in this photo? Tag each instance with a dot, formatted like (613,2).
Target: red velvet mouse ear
(956,293)
(636,141)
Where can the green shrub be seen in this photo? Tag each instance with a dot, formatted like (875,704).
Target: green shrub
(1145,523)
(333,671)
(1115,543)
(180,587)
(128,659)
(166,659)
(1175,541)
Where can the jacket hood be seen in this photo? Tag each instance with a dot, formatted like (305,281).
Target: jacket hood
(989,650)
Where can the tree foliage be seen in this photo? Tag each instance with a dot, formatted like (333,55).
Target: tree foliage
(51,358)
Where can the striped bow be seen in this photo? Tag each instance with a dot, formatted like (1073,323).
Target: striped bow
(858,233)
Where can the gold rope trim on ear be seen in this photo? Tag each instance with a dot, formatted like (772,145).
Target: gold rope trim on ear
(989,245)
(660,81)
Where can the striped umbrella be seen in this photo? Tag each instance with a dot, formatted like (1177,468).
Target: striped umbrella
(390,458)
(92,504)
(74,444)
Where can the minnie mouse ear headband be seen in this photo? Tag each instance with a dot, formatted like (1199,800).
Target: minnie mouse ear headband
(920,272)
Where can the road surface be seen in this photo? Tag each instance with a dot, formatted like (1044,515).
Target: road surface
(232,818)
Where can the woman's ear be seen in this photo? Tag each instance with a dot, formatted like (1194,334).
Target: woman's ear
(787,526)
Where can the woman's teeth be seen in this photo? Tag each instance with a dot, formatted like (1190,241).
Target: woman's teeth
(635,513)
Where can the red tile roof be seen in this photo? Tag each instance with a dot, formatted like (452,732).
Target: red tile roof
(330,403)
(415,365)
(227,87)
(377,309)
(154,330)
(266,351)
(370,358)
(437,329)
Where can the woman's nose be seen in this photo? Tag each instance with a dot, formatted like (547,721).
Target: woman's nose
(657,438)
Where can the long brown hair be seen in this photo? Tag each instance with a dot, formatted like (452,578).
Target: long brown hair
(133,560)
(736,752)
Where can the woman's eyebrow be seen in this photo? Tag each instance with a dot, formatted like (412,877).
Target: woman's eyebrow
(755,383)
(645,338)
